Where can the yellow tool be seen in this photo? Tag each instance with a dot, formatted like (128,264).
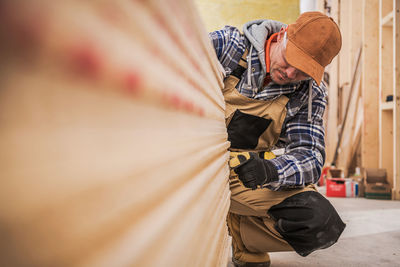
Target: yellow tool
(238,158)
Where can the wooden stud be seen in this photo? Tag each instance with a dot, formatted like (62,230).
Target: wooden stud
(345,56)
(369,92)
(396,99)
(332,118)
(346,136)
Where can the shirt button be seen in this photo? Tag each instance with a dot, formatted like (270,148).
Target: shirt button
(253,69)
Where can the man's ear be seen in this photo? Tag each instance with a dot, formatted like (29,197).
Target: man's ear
(280,34)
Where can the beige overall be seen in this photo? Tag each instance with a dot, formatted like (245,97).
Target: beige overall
(252,230)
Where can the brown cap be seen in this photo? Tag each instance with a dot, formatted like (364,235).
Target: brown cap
(313,41)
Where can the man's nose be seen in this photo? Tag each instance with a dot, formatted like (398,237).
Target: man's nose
(291,72)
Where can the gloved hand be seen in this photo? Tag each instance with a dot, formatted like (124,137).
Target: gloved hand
(251,169)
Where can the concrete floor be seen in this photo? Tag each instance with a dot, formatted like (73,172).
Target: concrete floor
(371,237)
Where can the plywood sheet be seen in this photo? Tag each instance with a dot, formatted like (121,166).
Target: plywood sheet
(113,146)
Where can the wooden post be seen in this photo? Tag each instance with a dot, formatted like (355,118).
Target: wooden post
(345,57)
(332,109)
(356,31)
(396,111)
(369,90)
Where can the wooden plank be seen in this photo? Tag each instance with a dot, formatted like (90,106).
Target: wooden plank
(356,32)
(387,21)
(396,99)
(356,139)
(354,157)
(387,105)
(380,81)
(386,143)
(369,92)
(348,114)
(113,144)
(386,89)
(332,107)
(345,56)
(386,63)
(386,7)
(346,137)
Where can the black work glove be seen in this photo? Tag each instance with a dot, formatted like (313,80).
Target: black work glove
(252,170)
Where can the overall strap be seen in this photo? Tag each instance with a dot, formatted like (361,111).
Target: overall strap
(242,66)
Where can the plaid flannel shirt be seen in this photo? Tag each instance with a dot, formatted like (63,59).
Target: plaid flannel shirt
(302,140)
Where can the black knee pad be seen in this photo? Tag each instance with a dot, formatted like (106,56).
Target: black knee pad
(307,221)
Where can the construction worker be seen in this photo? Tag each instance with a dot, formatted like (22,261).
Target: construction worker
(275,99)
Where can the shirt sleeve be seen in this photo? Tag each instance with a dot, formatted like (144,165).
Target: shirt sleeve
(304,146)
(229,45)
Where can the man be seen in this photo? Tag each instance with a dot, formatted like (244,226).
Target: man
(275,99)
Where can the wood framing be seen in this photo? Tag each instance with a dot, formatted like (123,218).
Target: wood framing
(345,143)
(371,129)
(389,92)
(396,99)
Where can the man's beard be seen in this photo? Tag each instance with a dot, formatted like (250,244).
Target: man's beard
(276,76)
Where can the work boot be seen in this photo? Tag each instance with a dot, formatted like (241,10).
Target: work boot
(238,263)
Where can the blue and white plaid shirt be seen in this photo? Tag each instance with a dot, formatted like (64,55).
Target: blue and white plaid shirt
(303,140)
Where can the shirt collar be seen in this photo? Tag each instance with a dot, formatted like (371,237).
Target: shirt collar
(272,38)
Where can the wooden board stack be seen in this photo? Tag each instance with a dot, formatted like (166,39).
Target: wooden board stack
(113,145)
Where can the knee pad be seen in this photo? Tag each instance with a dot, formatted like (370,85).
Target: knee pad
(307,221)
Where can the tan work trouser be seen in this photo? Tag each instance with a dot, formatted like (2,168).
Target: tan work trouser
(252,229)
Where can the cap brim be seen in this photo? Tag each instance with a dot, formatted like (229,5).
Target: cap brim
(300,60)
